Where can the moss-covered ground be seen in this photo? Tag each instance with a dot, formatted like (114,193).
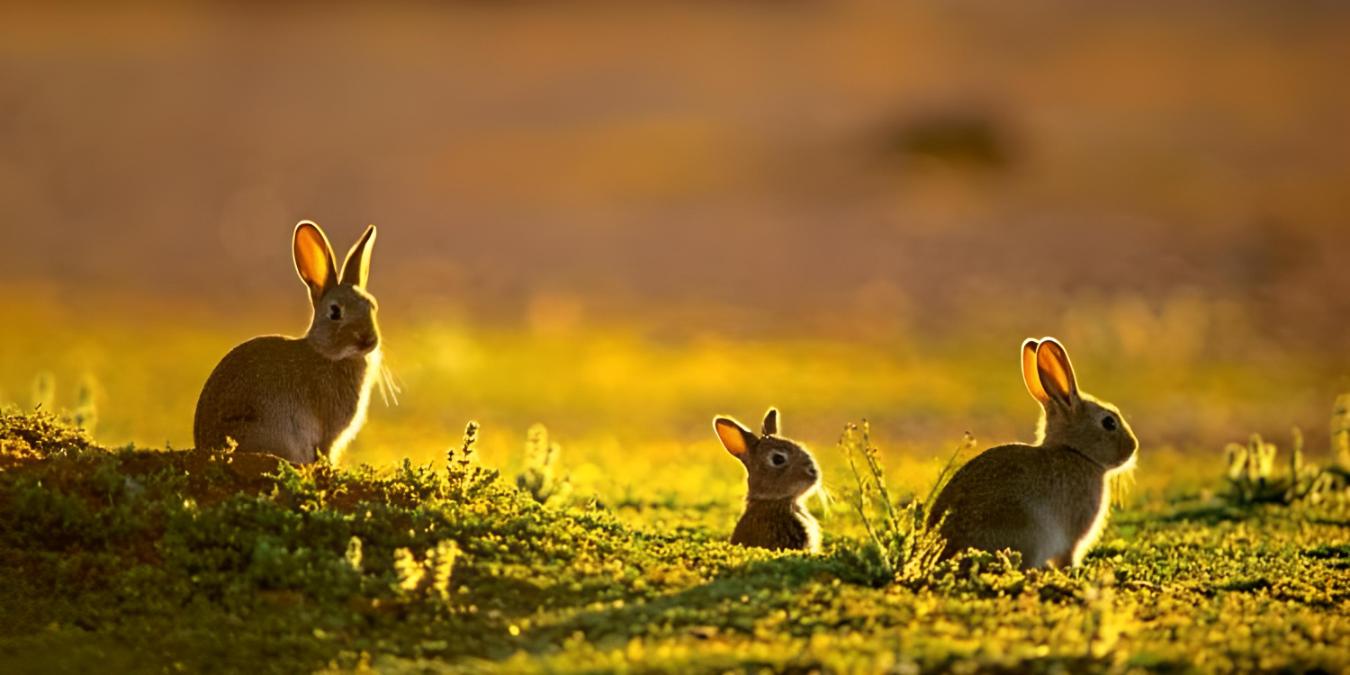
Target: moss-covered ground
(164,561)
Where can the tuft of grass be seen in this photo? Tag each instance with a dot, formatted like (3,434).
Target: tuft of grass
(429,578)
(465,477)
(1253,478)
(901,547)
(540,477)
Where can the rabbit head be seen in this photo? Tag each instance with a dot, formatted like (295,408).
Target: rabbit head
(1070,417)
(344,324)
(778,468)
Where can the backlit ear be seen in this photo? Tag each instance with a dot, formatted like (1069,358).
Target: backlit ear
(770,422)
(314,259)
(1056,373)
(735,438)
(1030,374)
(356,269)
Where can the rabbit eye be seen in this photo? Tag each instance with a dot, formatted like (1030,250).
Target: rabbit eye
(778,459)
(335,312)
(1109,423)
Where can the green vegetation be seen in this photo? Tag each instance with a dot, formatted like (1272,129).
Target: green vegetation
(540,477)
(899,546)
(1253,477)
(115,560)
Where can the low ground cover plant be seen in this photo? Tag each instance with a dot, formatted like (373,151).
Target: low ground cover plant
(130,559)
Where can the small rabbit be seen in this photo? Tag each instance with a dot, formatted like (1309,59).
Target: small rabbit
(781,474)
(1048,501)
(301,398)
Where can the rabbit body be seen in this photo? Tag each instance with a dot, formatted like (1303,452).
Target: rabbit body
(1047,501)
(777,524)
(780,474)
(277,394)
(301,398)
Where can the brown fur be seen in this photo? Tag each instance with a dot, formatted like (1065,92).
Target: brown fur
(301,398)
(777,524)
(780,474)
(1047,501)
(987,505)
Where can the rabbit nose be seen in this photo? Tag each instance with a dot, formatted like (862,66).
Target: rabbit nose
(811,470)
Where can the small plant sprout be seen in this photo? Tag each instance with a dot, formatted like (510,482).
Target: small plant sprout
(908,549)
(353,555)
(539,478)
(465,478)
(458,460)
(1249,468)
(408,572)
(441,566)
(430,578)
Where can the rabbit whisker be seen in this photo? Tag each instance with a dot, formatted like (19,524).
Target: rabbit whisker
(389,386)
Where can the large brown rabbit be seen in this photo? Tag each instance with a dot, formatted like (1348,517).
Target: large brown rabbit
(301,398)
(1048,501)
(781,474)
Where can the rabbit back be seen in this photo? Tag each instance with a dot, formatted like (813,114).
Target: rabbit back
(278,395)
(1046,502)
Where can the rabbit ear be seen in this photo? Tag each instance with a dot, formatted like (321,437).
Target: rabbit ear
(770,422)
(314,259)
(1030,374)
(735,438)
(1056,373)
(357,268)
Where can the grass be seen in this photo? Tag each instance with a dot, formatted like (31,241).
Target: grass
(1253,478)
(900,545)
(134,560)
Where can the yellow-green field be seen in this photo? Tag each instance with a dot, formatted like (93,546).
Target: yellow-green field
(600,225)
(160,559)
(630,403)
(150,561)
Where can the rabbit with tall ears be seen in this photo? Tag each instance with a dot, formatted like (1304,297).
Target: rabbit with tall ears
(781,473)
(301,398)
(1048,501)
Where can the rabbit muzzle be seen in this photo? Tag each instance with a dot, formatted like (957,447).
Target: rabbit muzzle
(366,342)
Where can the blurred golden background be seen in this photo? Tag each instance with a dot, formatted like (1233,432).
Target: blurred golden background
(617,219)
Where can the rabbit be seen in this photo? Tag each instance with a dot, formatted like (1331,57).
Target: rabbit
(781,473)
(301,398)
(1047,501)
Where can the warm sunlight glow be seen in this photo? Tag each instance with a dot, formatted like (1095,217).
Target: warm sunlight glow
(242,432)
